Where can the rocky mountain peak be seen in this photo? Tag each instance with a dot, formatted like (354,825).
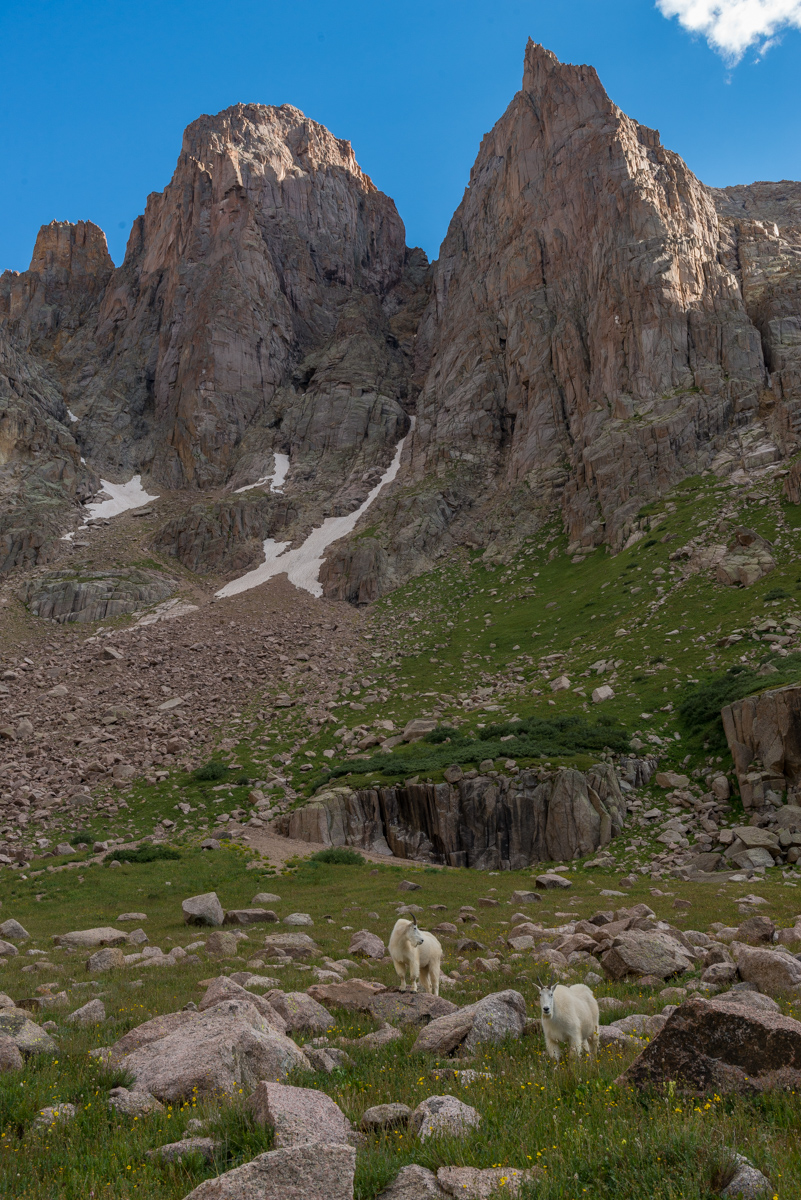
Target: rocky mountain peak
(65,252)
(281,135)
(575,85)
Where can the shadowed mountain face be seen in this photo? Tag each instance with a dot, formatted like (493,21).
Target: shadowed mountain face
(598,325)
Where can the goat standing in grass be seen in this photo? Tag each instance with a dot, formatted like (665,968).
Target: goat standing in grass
(418,952)
(569,1014)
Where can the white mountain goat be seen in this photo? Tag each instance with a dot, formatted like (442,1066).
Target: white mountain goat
(418,952)
(569,1014)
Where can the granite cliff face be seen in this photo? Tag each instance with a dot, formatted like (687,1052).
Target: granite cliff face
(253,311)
(599,324)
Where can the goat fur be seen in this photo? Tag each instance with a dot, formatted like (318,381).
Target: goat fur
(417,952)
(571,1016)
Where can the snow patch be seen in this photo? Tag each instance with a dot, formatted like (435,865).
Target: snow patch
(281,472)
(73,418)
(117,498)
(302,565)
(120,498)
(167,611)
(277,475)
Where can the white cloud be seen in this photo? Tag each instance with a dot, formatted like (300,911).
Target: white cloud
(731,26)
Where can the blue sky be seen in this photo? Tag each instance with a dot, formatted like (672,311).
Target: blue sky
(94,95)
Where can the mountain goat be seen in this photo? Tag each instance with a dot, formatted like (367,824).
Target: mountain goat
(569,1014)
(418,952)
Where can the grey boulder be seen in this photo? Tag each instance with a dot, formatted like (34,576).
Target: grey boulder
(213,1052)
(299,1116)
(321,1171)
(443,1115)
(203,910)
(490,1019)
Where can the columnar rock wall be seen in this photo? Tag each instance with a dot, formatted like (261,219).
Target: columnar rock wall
(502,823)
(764,736)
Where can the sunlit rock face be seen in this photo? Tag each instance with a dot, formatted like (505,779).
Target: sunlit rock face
(584,344)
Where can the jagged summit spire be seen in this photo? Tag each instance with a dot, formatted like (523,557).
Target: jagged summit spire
(543,70)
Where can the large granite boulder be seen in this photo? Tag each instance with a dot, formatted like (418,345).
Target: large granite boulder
(300,1011)
(298,1115)
(320,1171)
(721,1045)
(356,995)
(203,910)
(224,988)
(213,1052)
(774,971)
(639,952)
(766,728)
(410,1008)
(490,1019)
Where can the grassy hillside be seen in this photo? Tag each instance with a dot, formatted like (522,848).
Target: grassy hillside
(475,644)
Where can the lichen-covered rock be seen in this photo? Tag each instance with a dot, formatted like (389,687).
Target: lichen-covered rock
(27,1036)
(723,1046)
(71,596)
(439,1116)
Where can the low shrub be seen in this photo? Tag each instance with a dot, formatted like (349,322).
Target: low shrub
(699,709)
(338,856)
(211,772)
(535,738)
(143,854)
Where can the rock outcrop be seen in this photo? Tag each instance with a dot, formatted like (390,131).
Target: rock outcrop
(748,559)
(764,736)
(248,313)
(485,823)
(267,303)
(68,596)
(598,328)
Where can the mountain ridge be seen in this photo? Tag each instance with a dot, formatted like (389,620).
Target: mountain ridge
(598,325)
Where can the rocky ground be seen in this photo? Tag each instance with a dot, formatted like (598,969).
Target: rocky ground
(183,1046)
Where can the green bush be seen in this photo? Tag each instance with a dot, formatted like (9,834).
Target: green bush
(338,856)
(212,772)
(535,738)
(441,734)
(699,710)
(777,593)
(82,835)
(142,854)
